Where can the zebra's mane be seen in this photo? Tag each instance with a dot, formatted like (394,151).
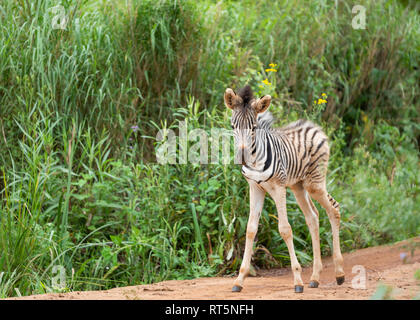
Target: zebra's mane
(265,120)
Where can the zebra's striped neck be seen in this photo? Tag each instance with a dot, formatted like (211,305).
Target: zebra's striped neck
(264,163)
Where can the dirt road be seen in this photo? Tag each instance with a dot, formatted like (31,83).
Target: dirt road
(384,264)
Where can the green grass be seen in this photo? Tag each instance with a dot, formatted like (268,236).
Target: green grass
(79,188)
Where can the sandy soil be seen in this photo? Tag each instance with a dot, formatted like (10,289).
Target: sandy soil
(382,264)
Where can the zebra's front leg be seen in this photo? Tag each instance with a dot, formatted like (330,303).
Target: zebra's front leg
(256,199)
(278,193)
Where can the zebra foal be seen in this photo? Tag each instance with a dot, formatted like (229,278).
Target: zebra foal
(294,156)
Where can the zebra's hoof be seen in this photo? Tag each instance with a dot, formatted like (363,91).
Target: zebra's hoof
(298,289)
(236,289)
(313,284)
(340,280)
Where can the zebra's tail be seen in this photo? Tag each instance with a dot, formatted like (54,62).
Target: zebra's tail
(333,202)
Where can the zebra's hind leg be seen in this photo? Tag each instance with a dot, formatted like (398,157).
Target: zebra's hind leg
(312,220)
(320,194)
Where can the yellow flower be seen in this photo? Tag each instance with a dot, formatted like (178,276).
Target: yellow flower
(324,95)
(272,65)
(321,101)
(271,69)
(265,81)
(364,118)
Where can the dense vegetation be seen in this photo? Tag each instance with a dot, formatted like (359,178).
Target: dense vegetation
(80,109)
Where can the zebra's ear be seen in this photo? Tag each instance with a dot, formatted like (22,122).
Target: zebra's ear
(262,104)
(231,99)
